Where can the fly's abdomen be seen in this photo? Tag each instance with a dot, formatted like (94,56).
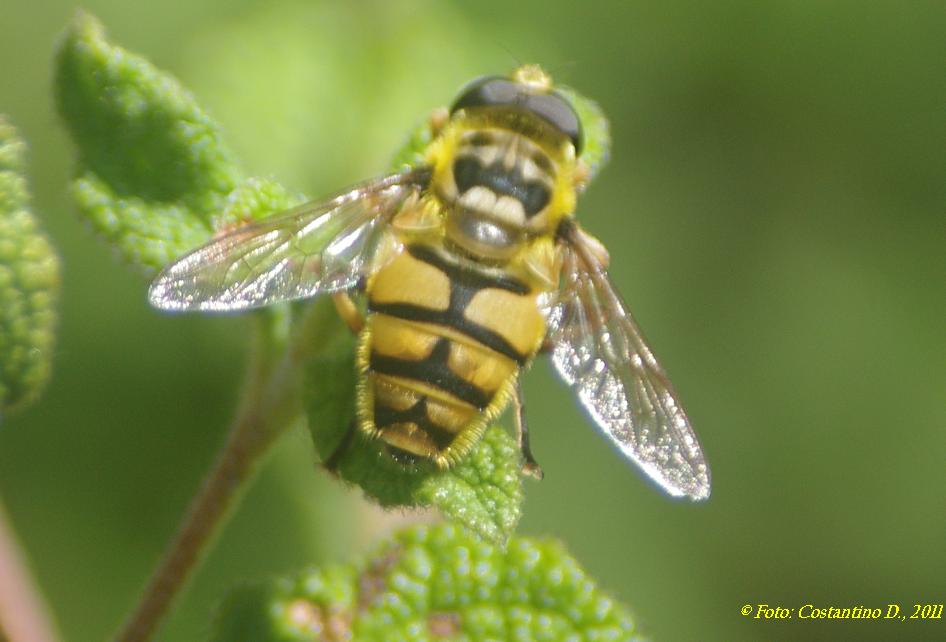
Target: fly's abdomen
(443,345)
(428,388)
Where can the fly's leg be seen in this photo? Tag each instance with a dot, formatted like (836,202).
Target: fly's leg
(349,312)
(530,466)
(331,462)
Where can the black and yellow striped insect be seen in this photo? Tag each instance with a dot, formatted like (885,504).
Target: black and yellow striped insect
(470,263)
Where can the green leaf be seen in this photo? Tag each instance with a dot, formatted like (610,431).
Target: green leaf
(411,152)
(153,172)
(432,584)
(483,492)
(253,200)
(29,284)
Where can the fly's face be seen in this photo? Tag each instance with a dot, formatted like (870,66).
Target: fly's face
(504,165)
(500,187)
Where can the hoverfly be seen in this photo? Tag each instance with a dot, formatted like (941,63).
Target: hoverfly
(469,263)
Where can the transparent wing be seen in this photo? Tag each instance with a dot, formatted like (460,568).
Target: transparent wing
(312,249)
(600,352)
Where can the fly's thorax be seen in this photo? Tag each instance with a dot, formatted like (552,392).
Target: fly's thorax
(502,184)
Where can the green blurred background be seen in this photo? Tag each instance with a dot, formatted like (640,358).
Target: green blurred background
(775,212)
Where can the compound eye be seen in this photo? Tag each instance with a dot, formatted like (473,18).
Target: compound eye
(496,91)
(559,113)
(487,91)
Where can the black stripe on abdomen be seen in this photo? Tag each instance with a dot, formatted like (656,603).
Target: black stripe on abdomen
(433,370)
(385,416)
(489,338)
(466,276)
(465,282)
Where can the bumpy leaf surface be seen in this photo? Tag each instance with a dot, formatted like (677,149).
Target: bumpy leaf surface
(153,171)
(433,584)
(29,284)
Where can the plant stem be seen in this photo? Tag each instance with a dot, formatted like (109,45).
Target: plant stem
(207,510)
(269,405)
(23,616)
